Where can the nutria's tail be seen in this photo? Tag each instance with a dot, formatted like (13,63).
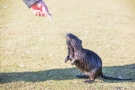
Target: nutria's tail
(112,78)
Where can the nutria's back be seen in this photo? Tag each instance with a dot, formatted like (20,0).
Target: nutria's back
(88,61)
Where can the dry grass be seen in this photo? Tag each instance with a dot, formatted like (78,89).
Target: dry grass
(33,49)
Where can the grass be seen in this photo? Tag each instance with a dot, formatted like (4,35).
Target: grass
(33,49)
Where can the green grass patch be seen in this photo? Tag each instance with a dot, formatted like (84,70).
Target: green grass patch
(33,49)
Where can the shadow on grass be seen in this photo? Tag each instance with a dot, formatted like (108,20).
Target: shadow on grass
(127,71)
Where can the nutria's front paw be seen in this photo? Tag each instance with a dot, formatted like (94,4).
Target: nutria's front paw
(66,59)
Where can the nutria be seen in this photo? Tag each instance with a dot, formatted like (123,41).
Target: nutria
(85,60)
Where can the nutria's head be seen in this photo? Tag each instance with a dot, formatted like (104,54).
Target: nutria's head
(73,41)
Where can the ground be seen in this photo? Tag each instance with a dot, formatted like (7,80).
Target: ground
(33,49)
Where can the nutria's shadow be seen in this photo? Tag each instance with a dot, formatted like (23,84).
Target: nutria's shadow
(126,71)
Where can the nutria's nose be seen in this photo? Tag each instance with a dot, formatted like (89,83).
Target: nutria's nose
(67,36)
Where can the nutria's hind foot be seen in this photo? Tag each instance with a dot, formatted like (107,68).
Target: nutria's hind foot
(82,76)
(89,81)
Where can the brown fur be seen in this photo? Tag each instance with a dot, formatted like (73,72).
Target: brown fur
(86,60)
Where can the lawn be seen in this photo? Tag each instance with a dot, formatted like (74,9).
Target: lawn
(33,49)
